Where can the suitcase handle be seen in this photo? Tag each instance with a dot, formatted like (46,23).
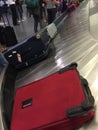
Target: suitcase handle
(76,111)
(85,106)
(89,103)
(68,67)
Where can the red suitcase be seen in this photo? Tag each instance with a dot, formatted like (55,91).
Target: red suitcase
(61,101)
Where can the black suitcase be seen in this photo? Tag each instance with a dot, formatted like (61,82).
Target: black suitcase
(2,36)
(29,51)
(8,36)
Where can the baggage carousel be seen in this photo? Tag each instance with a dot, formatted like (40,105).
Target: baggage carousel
(76,41)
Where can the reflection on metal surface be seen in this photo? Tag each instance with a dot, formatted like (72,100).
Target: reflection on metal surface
(59,63)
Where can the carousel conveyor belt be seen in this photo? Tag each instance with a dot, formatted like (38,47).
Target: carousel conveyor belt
(73,43)
(76,41)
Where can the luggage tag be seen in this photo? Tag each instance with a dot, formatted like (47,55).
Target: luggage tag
(52,30)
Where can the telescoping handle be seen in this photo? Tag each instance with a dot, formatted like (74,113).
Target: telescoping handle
(6,16)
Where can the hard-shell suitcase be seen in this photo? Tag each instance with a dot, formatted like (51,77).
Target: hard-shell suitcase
(61,101)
